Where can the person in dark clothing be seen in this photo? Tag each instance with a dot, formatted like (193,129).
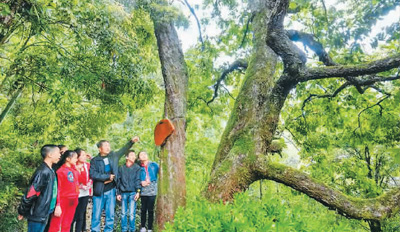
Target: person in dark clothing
(128,190)
(63,148)
(39,201)
(103,171)
(148,177)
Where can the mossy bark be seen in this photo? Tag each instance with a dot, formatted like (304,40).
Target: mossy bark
(374,209)
(172,182)
(253,121)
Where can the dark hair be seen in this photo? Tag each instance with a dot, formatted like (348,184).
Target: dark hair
(46,149)
(61,146)
(65,155)
(127,154)
(79,151)
(100,143)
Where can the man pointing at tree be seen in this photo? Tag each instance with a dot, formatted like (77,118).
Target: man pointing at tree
(104,172)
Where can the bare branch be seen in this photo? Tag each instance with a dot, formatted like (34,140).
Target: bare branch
(373,67)
(229,93)
(198,23)
(309,41)
(326,16)
(203,100)
(368,83)
(247,30)
(369,107)
(334,94)
(237,65)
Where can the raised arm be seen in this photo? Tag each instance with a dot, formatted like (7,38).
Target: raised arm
(127,146)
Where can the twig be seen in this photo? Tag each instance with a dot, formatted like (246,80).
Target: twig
(203,100)
(237,65)
(198,24)
(247,30)
(229,93)
(334,94)
(369,107)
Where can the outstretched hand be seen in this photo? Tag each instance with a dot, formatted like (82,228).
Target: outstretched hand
(135,139)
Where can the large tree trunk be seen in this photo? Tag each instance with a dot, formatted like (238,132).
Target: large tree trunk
(172,183)
(253,121)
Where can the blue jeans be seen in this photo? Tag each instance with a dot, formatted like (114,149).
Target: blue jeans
(128,204)
(107,202)
(36,226)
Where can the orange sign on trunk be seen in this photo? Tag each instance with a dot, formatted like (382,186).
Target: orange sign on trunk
(162,131)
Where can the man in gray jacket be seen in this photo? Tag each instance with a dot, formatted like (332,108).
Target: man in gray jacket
(104,172)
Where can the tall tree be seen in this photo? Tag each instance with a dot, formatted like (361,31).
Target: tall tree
(172,181)
(242,156)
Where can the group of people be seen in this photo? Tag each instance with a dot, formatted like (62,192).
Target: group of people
(60,188)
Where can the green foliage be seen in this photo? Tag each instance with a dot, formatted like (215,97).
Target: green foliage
(90,70)
(280,209)
(83,65)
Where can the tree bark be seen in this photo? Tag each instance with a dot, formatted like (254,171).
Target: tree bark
(254,118)
(10,104)
(172,182)
(375,209)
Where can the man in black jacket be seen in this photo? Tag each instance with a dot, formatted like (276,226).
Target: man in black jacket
(103,171)
(39,200)
(128,190)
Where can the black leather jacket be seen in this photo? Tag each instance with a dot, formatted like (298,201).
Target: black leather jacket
(35,204)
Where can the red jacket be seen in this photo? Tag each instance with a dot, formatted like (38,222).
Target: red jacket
(85,182)
(68,183)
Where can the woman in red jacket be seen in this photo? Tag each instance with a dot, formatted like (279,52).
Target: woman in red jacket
(68,192)
(85,190)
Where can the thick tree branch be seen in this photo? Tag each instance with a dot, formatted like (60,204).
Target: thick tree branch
(373,67)
(237,65)
(369,209)
(293,58)
(309,41)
